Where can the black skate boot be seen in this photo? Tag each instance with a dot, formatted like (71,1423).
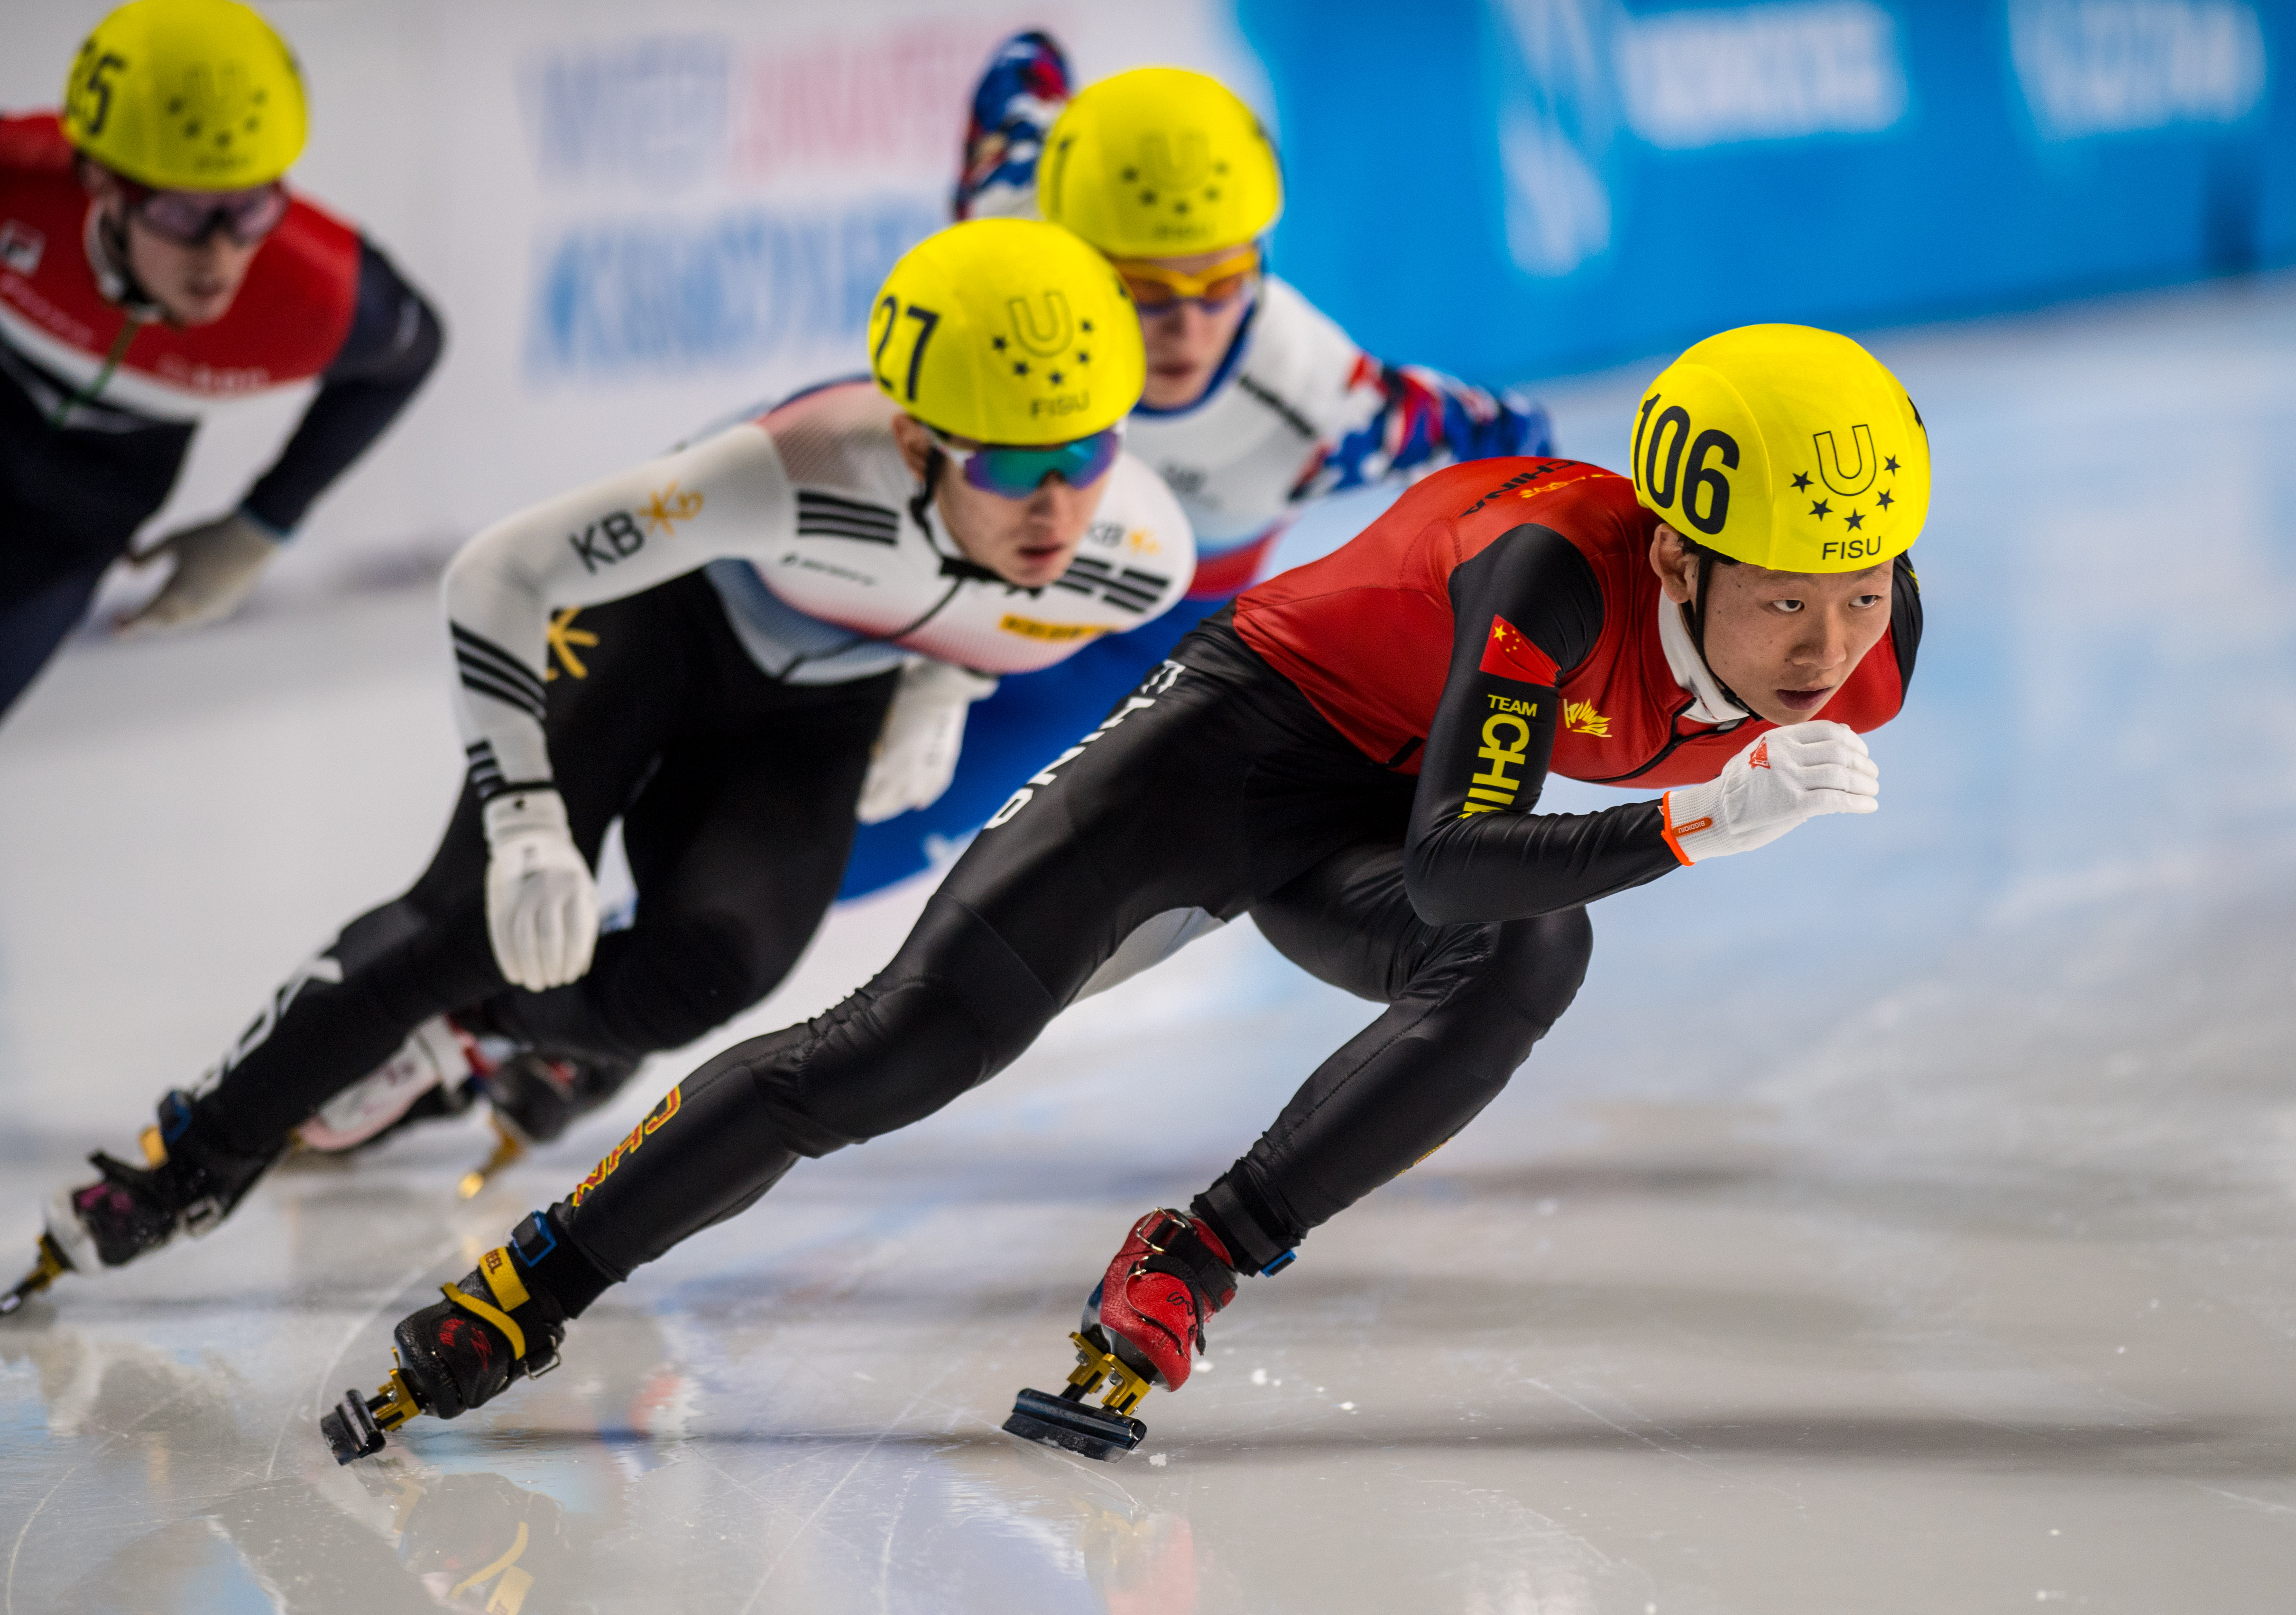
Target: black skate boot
(189,1183)
(500,1323)
(537,1096)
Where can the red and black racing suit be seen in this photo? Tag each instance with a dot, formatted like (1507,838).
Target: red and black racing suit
(1353,757)
(99,397)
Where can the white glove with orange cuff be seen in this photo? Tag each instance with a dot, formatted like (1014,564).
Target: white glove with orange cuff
(542,904)
(1786,776)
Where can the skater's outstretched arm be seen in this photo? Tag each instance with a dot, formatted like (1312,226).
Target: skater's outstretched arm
(1527,611)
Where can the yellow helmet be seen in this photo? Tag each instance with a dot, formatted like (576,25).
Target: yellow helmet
(1007,331)
(1160,162)
(1786,447)
(186,96)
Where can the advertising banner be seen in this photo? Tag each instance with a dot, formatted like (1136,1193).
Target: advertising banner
(1523,187)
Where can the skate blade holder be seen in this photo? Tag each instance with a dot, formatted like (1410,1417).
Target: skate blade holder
(357,1426)
(1106,1433)
(46,1270)
(509,1147)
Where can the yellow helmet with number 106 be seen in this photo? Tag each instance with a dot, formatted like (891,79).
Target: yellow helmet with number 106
(1160,162)
(186,96)
(1786,447)
(1007,331)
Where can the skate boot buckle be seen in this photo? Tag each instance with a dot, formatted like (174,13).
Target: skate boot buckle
(1125,1388)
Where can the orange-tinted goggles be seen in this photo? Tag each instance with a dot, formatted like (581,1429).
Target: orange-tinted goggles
(1156,287)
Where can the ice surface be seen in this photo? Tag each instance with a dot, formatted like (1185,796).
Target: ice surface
(1901,1220)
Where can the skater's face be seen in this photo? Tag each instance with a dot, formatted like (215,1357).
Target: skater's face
(1187,337)
(1027,542)
(1784,642)
(194,283)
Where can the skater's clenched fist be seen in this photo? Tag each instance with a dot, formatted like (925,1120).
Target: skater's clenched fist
(1789,775)
(542,904)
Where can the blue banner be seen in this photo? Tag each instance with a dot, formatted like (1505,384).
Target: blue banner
(1527,187)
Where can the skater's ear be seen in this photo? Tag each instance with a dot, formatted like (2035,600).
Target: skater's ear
(1675,564)
(916,442)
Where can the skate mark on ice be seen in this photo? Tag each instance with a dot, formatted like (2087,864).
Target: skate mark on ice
(885,1554)
(1672,1452)
(851,1470)
(327,1373)
(2218,1491)
(8,1591)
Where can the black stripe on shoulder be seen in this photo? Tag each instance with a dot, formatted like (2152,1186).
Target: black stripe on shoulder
(475,651)
(481,682)
(814,498)
(1539,581)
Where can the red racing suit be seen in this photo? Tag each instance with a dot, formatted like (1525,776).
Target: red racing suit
(1500,622)
(100,395)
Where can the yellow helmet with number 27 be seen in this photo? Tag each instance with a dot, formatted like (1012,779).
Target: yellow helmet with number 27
(186,96)
(1784,446)
(1160,162)
(1007,331)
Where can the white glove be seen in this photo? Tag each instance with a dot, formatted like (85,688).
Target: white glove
(1786,776)
(916,750)
(216,564)
(542,904)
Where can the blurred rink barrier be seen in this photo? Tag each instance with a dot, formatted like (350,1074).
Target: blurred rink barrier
(639,219)
(1524,188)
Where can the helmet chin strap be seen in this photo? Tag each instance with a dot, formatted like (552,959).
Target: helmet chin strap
(125,288)
(1698,633)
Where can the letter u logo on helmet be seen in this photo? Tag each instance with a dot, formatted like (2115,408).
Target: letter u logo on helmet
(1784,446)
(1160,162)
(186,96)
(1007,331)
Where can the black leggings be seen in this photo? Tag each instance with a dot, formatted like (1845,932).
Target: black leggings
(1216,787)
(736,795)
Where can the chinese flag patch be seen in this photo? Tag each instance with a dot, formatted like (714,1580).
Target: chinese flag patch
(1509,654)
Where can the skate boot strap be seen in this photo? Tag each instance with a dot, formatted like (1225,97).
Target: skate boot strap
(1175,1246)
(493,1315)
(510,1294)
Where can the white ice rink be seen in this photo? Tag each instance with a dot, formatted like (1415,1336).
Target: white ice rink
(1903,1219)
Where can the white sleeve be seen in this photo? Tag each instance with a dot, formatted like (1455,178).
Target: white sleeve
(728,495)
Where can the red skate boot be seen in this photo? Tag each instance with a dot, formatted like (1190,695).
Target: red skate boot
(1141,1324)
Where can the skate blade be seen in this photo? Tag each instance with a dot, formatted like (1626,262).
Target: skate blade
(45,1271)
(1091,1432)
(353,1428)
(509,1147)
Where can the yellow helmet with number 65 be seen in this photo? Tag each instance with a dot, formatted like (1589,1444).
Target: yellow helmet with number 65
(1007,331)
(186,96)
(1160,162)
(1786,447)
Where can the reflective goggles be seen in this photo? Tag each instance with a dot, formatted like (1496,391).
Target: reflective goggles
(188,217)
(1012,473)
(1157,287)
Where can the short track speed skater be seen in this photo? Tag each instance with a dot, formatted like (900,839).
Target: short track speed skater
(1142,1324)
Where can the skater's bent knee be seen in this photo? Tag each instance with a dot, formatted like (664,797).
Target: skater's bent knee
(1540,964)
(954,1007)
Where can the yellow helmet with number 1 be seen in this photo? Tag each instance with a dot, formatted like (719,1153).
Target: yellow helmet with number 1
(1784,446)
(1007,331)
(1160,162)
(186,96)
